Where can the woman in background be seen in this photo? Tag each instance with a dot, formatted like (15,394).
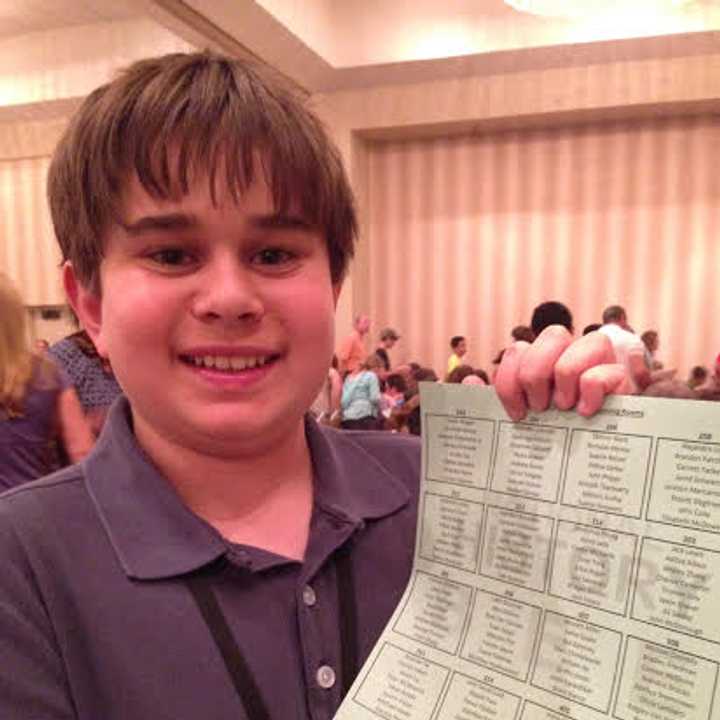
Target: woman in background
(36,404)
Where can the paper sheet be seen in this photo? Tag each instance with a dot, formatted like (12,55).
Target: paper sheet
(564,568)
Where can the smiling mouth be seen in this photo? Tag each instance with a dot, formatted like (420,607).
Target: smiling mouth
(228,363)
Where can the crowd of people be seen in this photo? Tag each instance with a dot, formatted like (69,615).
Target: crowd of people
(365,391)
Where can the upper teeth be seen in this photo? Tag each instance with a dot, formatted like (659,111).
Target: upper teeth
(225,362)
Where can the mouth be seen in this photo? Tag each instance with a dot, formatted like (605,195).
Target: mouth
(229,364)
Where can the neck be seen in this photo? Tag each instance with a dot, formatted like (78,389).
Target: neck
(262,499)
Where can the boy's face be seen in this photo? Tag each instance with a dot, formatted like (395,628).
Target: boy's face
(218,321)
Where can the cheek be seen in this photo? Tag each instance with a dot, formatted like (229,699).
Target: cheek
(133,318)
(312,315)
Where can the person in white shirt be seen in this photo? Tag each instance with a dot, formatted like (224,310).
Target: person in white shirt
(629,348)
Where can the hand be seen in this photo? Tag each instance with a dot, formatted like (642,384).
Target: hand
(555,368)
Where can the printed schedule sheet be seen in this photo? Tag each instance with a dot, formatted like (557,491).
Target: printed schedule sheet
(564,567)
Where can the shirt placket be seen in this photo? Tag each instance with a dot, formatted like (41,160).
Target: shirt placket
(318,610)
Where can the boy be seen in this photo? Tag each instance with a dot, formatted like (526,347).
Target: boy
(458,345)
(218,555)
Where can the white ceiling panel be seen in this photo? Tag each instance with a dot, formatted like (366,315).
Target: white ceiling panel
(20,17)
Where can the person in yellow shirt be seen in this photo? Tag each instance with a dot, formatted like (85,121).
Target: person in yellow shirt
(459,348)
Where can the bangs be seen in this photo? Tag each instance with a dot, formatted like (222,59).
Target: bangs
(178,118)
(217,123)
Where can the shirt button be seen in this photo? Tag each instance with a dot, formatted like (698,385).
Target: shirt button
(309,596)
(325,677)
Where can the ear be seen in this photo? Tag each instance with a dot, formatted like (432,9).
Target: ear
(87,305)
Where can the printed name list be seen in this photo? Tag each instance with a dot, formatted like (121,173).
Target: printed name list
(565,568)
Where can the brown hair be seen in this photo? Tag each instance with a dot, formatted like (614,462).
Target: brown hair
(371,361)
(458,374)
(171,118)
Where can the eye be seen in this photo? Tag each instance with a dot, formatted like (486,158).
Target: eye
(272,256)
(171,256)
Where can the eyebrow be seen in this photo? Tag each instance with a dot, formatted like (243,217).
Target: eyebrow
(153,223)
(280,221)
(173,222)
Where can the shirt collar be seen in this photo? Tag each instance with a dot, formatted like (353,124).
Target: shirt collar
(350,481)
(156,536)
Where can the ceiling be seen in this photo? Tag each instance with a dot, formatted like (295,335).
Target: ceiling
(19,17)
(334,44)
(337,44)
(52,52)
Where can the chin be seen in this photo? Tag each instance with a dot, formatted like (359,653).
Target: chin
(243,428)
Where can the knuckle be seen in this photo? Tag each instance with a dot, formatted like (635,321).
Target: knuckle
(556,332)
(565,371)
(530,379)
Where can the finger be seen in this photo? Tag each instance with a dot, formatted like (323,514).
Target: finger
(536,372)
(507,385)
(586,352)
(600,381)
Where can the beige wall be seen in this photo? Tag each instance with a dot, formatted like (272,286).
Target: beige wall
(43,77)
(465,236)
(674,85)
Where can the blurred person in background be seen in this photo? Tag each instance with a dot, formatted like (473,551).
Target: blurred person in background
(393,398)
(352,349)
(408,415)
(551,313)
(326,407)
(37,404)
(361,398)
(90,375)
(698,375)
(522,332)
(388,338)
(459,374)
(651,341)
(458,345)
(710,389)
(628,347)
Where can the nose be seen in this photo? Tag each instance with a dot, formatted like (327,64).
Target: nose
(229,292)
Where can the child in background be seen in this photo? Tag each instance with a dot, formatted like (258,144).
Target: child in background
(361,398)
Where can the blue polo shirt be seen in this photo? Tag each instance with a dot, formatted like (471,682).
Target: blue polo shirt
(97,621)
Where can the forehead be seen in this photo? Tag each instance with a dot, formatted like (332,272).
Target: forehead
(211,187)
(203,195)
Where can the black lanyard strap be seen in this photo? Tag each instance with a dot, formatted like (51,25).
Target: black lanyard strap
(200,586)
(347,600)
